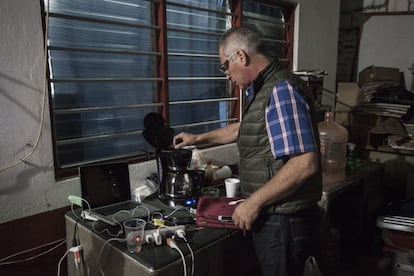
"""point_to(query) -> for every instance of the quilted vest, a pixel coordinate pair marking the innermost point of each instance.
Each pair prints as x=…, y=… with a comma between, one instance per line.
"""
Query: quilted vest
x=257, y=163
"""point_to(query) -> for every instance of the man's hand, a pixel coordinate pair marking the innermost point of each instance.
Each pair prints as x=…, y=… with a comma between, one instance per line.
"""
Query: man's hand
x=184, y=139
x=245, y=214
x=288, y=179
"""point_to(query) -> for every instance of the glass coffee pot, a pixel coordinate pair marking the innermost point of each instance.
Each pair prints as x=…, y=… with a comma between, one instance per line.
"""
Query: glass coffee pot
x=181, y=185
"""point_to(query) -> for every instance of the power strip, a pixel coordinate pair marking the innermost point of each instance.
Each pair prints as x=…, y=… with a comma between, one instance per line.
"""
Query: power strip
x=155, y=235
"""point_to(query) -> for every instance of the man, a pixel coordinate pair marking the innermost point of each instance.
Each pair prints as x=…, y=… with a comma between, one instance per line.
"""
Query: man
x=278, y=147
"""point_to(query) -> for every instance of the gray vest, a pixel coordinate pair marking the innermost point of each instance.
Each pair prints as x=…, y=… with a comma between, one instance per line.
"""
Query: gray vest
x=257, y=163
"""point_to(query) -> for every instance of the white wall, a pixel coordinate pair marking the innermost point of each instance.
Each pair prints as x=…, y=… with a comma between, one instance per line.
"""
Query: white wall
x=388, y=41
x=29, y=187
x=318, y=41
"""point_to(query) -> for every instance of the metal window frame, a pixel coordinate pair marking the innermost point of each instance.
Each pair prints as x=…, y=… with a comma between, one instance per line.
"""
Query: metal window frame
x=159, y=8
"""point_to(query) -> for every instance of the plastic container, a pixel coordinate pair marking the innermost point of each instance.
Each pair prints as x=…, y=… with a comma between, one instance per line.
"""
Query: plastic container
x=333, y=138
x=351, y=157
x=210, y=169
x=198, y=160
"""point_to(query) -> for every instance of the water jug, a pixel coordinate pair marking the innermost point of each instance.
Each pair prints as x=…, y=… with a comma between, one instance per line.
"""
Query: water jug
x=333, y=138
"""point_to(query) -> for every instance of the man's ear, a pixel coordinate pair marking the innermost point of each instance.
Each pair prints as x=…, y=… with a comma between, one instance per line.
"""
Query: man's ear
x=243, y=56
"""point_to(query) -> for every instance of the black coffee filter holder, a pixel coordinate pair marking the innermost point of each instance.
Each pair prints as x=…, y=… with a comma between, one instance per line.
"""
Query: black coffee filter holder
x=156, y=131
x=179, y=159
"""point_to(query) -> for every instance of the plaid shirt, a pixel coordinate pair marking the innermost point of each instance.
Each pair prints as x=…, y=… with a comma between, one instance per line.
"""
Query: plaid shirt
x=288, y=122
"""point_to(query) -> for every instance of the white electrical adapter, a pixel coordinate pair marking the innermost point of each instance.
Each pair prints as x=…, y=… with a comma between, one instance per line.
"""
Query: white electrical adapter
x=157, y=234
x=86, y=215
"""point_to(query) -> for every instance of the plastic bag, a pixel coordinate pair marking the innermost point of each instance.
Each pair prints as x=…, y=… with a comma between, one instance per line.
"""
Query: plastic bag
x=311, y=267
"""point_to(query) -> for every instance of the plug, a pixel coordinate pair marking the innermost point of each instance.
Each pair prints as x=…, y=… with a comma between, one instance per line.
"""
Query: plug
x=171, y=243
x=87, y=216
x=149, y=239
x=180, y=233
x=75, y=200
x=157, y=237
x=76, y=255
x=159, y=222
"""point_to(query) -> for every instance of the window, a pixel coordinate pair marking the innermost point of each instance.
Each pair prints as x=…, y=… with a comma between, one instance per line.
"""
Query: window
x=112, y=62
x=198, y=93
x=274, y=22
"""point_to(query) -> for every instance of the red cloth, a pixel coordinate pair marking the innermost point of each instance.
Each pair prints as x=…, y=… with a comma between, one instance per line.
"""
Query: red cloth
x=398, y=239
x=210, y=208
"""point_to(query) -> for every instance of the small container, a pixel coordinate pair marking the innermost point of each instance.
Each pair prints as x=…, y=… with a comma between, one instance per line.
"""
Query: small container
x=232, y=186
x=351, y=157
x=134, y=234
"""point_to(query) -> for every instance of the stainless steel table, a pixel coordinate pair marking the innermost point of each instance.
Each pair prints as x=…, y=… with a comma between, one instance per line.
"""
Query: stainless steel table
x=216, y=252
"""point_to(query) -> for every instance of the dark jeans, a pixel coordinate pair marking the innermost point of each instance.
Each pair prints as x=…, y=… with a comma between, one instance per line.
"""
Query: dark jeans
x=283, y=242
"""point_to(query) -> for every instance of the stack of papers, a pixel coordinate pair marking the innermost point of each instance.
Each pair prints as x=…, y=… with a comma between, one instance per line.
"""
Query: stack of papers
x=384, y=109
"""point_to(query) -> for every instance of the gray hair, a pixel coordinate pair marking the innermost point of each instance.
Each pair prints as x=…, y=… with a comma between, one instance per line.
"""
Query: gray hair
x=242, y=38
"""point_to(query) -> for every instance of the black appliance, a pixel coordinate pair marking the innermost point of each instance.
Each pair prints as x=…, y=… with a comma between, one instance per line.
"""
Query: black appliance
x=177, y=185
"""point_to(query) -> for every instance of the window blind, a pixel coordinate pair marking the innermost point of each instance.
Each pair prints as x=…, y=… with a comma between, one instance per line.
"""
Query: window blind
x=105, y=75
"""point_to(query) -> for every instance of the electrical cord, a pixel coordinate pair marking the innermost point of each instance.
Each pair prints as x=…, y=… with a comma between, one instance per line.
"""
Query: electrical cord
x=60, y=243
x=42, y=113
x=132, y=214
x=171, y=243
x=106, y=230
x=75, y=242
x=143, y=207
x=83, y=211
x=101, y=251
x=180, y=208
x=191, y=251
x=61, y=260
x=76, y=248
x=181, y=234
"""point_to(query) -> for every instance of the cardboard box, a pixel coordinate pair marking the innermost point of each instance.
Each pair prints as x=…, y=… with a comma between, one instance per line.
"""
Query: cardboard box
x=349, y=96
x=379, y=74
x=360, y=127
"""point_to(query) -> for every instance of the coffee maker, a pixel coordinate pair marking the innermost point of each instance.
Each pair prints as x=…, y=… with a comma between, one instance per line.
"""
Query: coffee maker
x=178, y=185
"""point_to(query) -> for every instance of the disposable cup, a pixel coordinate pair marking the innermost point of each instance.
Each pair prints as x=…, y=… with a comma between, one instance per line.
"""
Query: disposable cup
x=134, y=234
x=232, y=187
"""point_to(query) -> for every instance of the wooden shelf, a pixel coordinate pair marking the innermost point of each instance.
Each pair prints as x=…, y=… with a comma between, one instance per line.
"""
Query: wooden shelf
x=388, y=149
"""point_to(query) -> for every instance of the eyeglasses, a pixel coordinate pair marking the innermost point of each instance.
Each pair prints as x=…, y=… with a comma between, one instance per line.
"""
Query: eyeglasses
x=224, y=67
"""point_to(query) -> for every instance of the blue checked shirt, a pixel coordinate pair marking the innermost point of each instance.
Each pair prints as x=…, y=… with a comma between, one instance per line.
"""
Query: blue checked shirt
x=288, y=121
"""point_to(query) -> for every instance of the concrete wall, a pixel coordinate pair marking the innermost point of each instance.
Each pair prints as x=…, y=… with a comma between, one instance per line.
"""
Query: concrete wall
x=350, y=22
x=388, y=40
x=317, y=41
x=29, y=187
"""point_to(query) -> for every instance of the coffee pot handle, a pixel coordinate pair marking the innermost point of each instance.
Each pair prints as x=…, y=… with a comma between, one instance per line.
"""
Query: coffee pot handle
x=198, y=179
